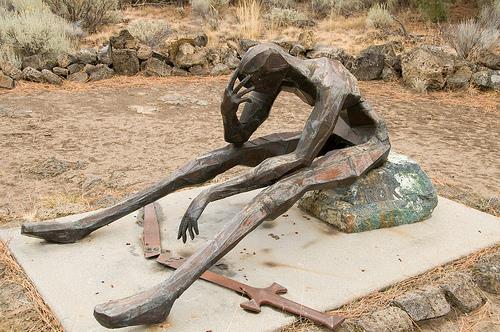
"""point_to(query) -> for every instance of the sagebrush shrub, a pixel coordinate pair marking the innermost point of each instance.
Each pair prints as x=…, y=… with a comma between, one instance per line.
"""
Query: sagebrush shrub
x=150, y=32
x=279, y=3
x=323, y=8
x=490, y=15
x=470, y=37
x=282, y=17
x=208, y=7
x=89, y=14
x=35, y=30
x=379, y=17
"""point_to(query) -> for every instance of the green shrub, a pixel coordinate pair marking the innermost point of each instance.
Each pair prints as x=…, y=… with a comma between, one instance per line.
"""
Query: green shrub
x=150, y=32
x=286, y=4
x=323, y=8
x=434, y=10
x=282, y=17
x=471, y=37
x=34, y=29
x=90, y=14
x=379, y=17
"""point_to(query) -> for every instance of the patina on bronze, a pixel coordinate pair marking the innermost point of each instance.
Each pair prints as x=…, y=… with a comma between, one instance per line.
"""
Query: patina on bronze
x=261, y=296
x=341, y=140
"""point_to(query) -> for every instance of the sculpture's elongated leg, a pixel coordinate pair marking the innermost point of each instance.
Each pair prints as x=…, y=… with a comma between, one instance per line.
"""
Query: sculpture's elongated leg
x=197, y=171
x=153, y=305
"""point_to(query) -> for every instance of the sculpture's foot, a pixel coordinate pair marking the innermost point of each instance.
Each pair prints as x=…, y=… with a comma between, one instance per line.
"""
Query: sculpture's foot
x=148, y=307
x=55, y=231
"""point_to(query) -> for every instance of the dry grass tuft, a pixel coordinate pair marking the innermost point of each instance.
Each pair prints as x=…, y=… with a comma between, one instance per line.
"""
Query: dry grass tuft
x=13, y=273
x=248, y=13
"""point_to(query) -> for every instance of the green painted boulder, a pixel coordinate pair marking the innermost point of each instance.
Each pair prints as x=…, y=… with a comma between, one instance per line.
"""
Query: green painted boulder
x=399, y=192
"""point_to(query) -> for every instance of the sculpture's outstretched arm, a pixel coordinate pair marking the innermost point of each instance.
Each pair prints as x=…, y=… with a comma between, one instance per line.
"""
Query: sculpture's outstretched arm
x=153, y=305
x=318, y=129
x=197, y=171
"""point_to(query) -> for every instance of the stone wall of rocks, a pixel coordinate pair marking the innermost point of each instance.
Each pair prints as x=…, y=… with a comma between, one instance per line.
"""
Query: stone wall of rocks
x=462, y=291
x=422, y=68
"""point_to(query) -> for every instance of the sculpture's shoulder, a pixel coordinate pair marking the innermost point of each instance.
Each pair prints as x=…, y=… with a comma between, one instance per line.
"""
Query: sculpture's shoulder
x=330, y=73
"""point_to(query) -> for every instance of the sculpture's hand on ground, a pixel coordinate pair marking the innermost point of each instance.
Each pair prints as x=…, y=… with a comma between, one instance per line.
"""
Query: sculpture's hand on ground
x=189, y=221
x=53, y=231
x=149, y=307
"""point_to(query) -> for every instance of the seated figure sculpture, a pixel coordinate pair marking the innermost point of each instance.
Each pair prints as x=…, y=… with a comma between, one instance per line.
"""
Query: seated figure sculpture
x=341, y=140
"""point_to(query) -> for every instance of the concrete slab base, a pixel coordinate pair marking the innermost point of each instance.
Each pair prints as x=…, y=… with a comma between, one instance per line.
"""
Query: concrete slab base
x=321, y=267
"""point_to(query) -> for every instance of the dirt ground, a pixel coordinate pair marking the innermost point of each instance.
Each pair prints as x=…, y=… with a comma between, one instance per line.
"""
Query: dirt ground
x=80, y=147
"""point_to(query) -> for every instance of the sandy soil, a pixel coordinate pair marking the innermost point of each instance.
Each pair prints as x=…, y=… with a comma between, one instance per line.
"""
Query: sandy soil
x=78, y=149
x=81, y=147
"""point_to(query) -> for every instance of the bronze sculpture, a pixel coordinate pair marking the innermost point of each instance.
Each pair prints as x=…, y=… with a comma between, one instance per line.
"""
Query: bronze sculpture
x=341, y=140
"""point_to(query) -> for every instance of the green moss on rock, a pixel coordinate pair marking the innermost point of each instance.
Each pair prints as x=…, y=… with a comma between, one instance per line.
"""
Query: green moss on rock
x=399, y=192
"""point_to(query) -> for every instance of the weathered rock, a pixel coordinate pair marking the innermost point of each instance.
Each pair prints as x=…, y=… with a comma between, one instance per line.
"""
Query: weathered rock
x=125, y=61
x=486, y=80
x=331, y=53
x=51, y=78
x=199, y=70
x=428, y=66
x=462, y=292
x=396, y=193
x=12, y=71
x=495, y=80
x=124, y=40
x=486, y=273
x=459, y=79
x=156, y=67
x=173, y=43
x=371, y=62
x=233, y=45
x=144, y=52
x=33, y=61
x=424, y=303
x=65, y=59
x=104, y=55
x=246, y=44
x=88, y=68
x=75, y=68
x=144, y=109
x=391, y=319
x=61, y=71
x=31, y=74
x=6, y=82
x=298, y=50
x=490, y=59
x=231, y=61
x=80, y=77
x=188, y=56
x=101, y=72
x=179, y=72
x=220, y=69
x=389, y=74
x=285, y=44
x=307, y=39
x=87, y=56
x=368, y=65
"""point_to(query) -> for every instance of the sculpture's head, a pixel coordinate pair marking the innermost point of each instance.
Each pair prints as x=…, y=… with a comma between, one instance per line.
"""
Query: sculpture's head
x=267, y=66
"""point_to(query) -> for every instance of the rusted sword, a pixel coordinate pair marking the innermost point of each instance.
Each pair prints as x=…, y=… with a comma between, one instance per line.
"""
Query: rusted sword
x=151, y=232
x=260, y=296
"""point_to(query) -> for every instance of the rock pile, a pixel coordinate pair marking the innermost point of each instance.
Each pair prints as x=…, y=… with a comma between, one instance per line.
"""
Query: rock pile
x=459, y=290
x=423, y=68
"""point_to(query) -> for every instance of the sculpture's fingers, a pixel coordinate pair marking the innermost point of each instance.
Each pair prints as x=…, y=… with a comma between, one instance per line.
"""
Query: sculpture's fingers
x=191, y=233
x=244, y=92
x=241, y=84
x=232, y=80
x=244, y=100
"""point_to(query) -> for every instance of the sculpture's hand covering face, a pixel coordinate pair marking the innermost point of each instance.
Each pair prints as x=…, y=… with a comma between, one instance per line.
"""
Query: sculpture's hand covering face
x=266, y=67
